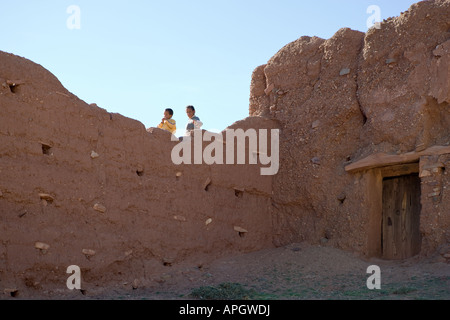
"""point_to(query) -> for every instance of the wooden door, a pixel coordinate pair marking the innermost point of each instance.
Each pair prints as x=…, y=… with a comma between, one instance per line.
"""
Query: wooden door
x=401, y=217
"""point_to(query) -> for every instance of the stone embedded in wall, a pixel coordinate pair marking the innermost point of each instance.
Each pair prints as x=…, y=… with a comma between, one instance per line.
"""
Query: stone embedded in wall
x=344, y=72
x=42, y=246
x=180, y=218
x=240, y=230
x=88, y=252
x=94, y=155
x=46, y=197
x=100, y=208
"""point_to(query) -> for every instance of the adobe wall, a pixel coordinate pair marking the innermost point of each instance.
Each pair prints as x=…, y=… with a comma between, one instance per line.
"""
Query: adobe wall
x=343, y=99
x=81, y=186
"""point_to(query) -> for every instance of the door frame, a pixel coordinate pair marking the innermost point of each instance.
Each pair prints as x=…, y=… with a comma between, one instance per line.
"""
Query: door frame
x=374, y=184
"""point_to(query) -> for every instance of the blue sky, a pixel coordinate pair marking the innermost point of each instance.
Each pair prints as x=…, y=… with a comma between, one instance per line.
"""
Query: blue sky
x=138, y=57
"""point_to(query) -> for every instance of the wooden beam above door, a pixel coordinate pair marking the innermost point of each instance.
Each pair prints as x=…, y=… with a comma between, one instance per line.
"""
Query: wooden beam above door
x=383, y=159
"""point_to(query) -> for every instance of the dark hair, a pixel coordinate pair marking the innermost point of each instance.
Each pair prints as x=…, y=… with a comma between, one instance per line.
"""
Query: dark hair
x=170, y=111
x=191, y=107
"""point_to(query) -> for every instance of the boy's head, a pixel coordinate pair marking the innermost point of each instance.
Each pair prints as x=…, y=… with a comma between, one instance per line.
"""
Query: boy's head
x=168, y=113
x=190, y=111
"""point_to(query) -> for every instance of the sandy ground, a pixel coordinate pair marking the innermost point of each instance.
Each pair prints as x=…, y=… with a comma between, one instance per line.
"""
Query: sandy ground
x=294, y=272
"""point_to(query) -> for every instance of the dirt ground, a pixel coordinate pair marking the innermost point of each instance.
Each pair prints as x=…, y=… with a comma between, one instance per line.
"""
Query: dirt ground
x=294, y=272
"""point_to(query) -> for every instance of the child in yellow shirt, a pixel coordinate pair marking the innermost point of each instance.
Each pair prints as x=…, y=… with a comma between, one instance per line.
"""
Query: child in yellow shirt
x=167, y=123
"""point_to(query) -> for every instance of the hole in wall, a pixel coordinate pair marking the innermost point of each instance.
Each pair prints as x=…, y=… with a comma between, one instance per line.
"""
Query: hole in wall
x=13, y=88
x=140, y=173
x=46, y=149
x=238, y=193
x=14, y=293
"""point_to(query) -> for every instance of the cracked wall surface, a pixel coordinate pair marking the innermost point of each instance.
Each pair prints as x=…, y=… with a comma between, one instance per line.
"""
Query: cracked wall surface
x=342, y=99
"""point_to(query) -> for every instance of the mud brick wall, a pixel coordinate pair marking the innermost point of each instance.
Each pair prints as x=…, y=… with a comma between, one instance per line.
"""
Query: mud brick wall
x=343, y=99
x=82, y=186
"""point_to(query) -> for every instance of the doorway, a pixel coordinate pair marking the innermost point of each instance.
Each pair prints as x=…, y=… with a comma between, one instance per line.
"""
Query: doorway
x=400, y=227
